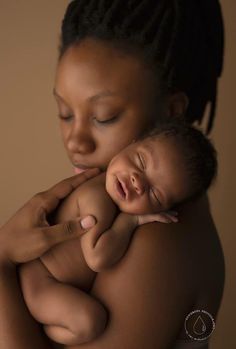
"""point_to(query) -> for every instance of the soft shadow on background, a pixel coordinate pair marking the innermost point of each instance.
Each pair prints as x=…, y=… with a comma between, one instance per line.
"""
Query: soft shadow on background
x=32, y=157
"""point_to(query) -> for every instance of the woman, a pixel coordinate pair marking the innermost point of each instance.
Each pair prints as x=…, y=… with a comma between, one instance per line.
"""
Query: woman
x=122, y=66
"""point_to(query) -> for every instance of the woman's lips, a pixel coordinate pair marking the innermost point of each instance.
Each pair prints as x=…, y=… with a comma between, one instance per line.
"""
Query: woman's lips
x=78, y=170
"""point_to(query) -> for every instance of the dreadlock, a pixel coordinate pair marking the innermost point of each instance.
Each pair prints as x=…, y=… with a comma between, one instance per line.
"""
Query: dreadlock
x=184, y=36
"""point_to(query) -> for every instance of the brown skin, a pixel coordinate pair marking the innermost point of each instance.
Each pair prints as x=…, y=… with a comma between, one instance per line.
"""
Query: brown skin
x=79, y=76
x=152, y=181
x=167, y=271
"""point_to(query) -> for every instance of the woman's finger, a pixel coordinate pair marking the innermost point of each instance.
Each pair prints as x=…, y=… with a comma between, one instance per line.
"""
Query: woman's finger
x=55, y=234
x=33, y=244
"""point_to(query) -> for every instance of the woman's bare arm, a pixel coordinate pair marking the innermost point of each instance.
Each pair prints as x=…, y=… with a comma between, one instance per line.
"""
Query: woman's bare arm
x=26, y=236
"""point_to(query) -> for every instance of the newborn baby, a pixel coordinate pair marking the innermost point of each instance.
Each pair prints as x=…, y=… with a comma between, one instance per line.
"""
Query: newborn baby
x=166, y=167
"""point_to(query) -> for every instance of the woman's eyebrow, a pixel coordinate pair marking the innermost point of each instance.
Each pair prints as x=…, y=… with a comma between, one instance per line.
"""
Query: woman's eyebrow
x=57, y=95
x=94, y=98
x=102, y=94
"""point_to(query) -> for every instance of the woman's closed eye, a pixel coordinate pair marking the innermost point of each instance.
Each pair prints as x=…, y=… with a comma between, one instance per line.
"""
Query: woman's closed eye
x=65, y=118
x=69, y=117
x=108, y=120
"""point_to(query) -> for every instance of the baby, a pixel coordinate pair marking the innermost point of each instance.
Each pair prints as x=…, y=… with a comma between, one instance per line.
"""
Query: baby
x=168, y=166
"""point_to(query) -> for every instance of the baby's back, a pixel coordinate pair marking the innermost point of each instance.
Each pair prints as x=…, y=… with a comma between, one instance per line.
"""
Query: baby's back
x=65, y=261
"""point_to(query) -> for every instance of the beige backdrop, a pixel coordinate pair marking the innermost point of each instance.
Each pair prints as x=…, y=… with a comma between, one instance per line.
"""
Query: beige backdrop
x=32, y=157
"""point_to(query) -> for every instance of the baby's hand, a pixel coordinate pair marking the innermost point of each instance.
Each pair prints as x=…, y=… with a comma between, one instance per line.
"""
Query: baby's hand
x=163, y=217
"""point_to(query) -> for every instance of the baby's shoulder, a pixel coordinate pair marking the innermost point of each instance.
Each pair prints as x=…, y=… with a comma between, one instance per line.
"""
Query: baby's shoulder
x=81, y=197
x=94, y=187
x=92, y=195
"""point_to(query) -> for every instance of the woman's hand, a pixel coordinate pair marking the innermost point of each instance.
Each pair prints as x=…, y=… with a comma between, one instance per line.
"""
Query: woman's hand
x=28, y=234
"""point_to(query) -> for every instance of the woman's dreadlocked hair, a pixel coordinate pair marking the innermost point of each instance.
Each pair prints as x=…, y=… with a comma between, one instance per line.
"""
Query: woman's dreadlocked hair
x=185, y=37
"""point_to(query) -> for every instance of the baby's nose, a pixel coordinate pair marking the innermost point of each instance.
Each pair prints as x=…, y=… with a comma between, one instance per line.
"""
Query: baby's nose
x=138, y=183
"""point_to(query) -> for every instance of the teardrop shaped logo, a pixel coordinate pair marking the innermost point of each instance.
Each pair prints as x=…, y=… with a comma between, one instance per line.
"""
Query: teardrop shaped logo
x=199, y=325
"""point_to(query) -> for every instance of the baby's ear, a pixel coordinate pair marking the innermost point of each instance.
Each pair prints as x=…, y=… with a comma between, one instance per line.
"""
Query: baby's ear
x=177, y=104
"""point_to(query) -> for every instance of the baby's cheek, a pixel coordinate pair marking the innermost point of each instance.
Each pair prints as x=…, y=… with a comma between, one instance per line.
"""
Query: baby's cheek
x=137, y=206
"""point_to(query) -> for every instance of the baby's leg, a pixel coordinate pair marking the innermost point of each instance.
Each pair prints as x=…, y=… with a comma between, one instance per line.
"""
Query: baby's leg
x=70, y=316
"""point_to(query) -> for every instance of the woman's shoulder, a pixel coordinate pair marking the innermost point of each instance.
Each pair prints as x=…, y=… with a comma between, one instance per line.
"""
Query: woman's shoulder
x=184, y=242
x=177, y=265
x=193, y=249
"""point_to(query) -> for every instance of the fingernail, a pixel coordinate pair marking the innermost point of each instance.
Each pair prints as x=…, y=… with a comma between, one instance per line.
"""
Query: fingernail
x=87, y=222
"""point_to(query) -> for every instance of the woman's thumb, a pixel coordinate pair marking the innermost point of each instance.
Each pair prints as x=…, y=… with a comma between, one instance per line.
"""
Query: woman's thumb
x=67, y=230
x=87, y=222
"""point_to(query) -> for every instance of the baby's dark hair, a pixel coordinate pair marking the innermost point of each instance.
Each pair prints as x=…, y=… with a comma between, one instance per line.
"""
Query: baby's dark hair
x=185, y=37
x=199, y=154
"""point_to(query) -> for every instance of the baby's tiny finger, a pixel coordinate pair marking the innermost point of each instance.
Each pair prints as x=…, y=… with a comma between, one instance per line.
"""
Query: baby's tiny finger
x=175, y=219
x=171, y=217
x=164, y=219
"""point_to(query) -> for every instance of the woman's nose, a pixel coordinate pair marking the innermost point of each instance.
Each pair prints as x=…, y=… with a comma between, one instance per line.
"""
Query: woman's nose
x=139, y=183
x=81, y=141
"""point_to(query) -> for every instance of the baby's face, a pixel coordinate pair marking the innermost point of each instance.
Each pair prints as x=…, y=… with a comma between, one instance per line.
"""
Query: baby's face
x=148, y=176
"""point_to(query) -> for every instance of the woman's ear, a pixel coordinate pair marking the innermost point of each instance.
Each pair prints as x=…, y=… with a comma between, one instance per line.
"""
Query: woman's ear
x=177, y=104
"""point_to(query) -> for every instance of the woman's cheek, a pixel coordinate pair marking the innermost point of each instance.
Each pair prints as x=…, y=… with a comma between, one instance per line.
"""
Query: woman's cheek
x=111, y=145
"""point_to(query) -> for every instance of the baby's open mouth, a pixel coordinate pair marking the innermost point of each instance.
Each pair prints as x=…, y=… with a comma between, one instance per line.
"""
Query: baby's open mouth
x=121, y=189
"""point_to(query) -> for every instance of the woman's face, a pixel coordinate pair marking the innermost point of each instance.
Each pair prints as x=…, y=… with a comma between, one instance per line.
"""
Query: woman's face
x=105, y=100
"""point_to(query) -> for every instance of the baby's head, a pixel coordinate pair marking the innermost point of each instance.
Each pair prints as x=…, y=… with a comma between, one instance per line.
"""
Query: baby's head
x=169, y=165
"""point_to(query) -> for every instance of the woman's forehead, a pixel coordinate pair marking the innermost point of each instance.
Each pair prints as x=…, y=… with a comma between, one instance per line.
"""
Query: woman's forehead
x=93, y=66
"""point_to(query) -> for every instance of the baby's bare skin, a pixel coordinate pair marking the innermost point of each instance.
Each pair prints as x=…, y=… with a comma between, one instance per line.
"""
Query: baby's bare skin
x=66, y=261
x=54, y=285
